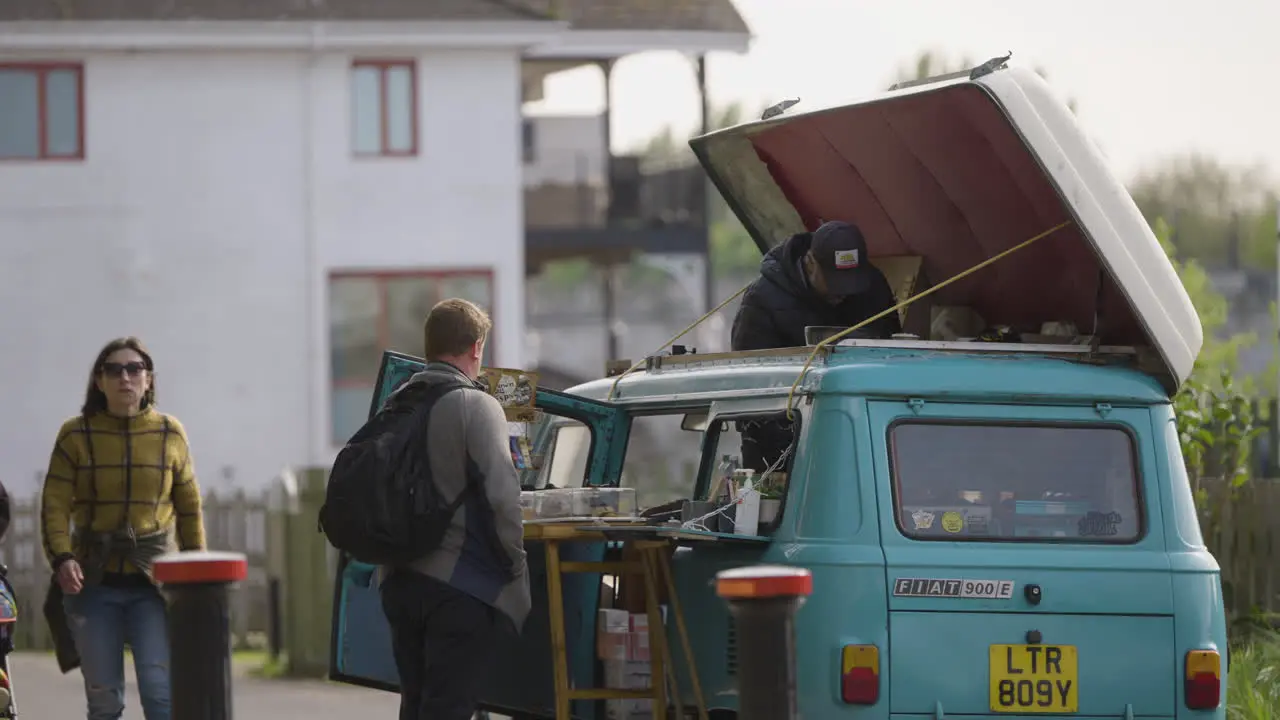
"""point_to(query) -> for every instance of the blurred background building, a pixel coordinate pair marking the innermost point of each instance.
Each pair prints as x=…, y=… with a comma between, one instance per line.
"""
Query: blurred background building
x=272, y=193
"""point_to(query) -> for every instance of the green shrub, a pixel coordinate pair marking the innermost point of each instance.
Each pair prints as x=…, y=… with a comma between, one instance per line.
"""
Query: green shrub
x=1253, y=680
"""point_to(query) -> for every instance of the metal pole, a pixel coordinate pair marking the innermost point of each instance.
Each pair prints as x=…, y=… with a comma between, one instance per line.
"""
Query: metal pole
x=198, y=585
x=275, y=637
x=763, y=600
x=709, y=193
x=607, y=277
x=609, y=299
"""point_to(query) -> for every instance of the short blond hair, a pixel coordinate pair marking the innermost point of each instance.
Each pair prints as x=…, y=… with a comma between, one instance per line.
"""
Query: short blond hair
x=453, y=327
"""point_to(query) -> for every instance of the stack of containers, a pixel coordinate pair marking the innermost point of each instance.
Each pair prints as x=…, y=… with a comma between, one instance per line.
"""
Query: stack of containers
x=622, y=643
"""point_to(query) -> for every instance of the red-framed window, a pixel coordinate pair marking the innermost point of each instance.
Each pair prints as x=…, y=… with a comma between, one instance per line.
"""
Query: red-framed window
x=41, y=111
x=374, y=311
x=384, y=107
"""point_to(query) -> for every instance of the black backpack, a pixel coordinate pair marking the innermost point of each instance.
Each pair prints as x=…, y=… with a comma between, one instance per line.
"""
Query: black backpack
x=381, y=505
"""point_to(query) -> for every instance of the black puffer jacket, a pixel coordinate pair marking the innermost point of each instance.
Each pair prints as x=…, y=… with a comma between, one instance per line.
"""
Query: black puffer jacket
x=779, y=304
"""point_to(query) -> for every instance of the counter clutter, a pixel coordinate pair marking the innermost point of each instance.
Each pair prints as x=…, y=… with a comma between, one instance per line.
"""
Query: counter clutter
x=568, y=504
x=739, y=502
x=742, y=504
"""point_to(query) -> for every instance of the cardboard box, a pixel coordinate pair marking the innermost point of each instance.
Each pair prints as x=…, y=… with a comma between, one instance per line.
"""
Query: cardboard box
x=612, y=645
x=638, y=647
x=903, y=273
x=639, y=621
x=612, y=632
x=614, y=620
x=627, y=675
x=628, y=709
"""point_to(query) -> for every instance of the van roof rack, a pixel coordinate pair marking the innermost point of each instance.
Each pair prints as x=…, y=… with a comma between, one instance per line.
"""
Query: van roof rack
x=994, y=347
x=740, y=358
x=796, y=356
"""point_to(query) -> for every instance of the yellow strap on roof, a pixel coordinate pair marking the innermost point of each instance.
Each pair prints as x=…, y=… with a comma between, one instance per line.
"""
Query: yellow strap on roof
x=834, y=338
x=677, y=336
x=837, y=337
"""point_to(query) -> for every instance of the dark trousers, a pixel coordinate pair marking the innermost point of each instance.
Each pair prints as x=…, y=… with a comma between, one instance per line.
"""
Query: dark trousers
x=443, y=640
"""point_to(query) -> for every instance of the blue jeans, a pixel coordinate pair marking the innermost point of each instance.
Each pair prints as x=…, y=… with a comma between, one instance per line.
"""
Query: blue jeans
x=103, y=620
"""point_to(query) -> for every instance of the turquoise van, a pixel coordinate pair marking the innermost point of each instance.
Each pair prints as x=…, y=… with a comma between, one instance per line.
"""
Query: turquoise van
x=999, y=525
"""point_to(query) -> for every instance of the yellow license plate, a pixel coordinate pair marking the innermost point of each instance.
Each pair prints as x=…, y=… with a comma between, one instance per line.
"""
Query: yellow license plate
x=1034, y=679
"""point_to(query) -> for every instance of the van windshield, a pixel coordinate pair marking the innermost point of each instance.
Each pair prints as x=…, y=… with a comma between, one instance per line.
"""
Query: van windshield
x=562, y=449
x=1014, y=482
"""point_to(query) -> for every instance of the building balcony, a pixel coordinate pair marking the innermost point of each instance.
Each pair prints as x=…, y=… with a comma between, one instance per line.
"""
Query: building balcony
x=569, y=190
x=581, y=203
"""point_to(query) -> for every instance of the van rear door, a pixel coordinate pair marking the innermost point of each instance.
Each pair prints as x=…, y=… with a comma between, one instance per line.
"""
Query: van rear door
x=1025, y=561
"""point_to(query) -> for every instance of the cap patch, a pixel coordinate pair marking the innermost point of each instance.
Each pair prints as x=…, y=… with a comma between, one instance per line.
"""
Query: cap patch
x=846, y=259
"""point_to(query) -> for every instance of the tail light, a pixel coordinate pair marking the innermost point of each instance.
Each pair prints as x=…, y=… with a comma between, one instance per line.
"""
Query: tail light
x=860, y=674
x=1204, y=679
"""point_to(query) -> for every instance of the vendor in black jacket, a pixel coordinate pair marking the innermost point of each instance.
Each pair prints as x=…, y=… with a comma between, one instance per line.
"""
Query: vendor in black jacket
x=818, y=278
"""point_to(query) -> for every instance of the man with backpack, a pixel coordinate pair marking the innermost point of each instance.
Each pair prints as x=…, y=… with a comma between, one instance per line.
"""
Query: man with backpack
x=427, y=490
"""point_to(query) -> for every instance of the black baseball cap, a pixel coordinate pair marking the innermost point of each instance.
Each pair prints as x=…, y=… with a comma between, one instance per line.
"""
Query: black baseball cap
x=840, y=251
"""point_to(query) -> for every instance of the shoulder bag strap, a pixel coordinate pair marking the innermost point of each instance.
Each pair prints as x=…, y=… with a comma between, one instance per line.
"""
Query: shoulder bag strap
x=86, y=532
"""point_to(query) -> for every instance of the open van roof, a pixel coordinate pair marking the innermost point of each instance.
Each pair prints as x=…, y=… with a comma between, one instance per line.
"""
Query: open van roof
x=954, y=173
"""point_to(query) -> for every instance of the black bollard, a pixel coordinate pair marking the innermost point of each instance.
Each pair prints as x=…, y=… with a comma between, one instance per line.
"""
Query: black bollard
x=764, y=600
x=198, y=585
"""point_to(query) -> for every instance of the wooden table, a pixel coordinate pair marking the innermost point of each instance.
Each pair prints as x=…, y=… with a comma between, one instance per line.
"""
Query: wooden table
x=656, y=571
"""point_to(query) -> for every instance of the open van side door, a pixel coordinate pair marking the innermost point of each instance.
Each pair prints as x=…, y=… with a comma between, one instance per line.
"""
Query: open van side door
x=360, y=639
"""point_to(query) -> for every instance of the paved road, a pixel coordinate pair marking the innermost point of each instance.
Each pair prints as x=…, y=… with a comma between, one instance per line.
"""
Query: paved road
x=43, y=693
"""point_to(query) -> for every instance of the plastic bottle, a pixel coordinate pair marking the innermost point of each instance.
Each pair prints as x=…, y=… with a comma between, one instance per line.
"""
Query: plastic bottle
x=746, y=517
x=728, y=466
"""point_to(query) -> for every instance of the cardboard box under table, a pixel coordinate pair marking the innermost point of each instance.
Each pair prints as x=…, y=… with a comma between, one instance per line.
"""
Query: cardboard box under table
x=647, y=552
x=652, y=549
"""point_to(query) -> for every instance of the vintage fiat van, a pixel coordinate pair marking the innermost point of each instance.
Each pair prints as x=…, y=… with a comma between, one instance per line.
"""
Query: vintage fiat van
x=995, y=529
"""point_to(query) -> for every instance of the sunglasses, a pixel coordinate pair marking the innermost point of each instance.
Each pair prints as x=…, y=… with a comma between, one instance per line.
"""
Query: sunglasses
x=115, y=370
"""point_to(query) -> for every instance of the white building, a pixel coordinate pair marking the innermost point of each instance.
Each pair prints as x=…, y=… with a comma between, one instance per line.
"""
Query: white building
x=268, y=197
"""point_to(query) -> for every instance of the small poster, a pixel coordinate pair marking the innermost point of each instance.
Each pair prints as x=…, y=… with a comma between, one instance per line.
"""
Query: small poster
x=512, y=388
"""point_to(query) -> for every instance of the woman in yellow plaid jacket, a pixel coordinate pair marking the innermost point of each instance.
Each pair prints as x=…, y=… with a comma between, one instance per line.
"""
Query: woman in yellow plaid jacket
x=120, y=491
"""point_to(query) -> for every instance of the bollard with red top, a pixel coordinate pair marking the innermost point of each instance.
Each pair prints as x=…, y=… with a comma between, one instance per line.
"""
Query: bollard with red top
x=199, y=584
x=763, y=600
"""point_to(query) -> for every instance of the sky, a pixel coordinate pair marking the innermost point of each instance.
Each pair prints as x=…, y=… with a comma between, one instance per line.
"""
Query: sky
x=1152, y=78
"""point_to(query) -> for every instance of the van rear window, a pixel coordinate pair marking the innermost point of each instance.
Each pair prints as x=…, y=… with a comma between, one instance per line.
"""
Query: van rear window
x=1014, y=482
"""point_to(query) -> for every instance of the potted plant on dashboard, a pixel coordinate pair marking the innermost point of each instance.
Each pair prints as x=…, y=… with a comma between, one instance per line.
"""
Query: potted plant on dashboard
x=771, y=492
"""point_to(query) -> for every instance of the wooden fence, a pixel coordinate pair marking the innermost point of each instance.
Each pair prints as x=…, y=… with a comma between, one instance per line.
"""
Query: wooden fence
x=1241, y=534
x=234, y=521
x=276, y=530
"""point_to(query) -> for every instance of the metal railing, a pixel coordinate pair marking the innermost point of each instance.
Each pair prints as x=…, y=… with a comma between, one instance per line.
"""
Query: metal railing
x=578, y=189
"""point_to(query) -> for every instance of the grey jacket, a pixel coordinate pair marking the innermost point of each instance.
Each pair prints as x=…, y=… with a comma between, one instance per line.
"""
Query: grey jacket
x=470, y=426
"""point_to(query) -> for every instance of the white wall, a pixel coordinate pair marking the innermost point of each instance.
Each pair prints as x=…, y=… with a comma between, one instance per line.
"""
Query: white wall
x=202, y=222
x=567, y=150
